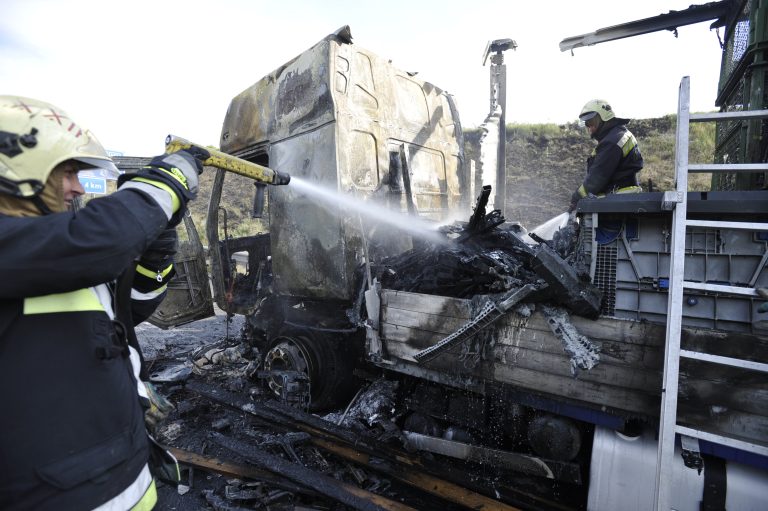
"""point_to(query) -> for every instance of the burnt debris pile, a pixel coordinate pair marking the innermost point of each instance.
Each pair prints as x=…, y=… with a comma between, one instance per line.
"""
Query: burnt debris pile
x=485, y=256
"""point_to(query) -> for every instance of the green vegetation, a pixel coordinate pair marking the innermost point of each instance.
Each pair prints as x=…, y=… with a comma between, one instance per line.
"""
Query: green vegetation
x=546, y=162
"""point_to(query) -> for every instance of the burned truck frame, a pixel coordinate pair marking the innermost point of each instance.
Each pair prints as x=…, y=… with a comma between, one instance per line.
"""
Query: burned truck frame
x=561, y=400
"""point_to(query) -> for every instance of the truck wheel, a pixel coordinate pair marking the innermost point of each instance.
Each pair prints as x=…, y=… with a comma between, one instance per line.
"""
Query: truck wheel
x=324, y=361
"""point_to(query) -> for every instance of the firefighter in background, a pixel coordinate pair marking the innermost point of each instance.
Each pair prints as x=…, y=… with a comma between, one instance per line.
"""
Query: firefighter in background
x=73, y=432
x=615, y=161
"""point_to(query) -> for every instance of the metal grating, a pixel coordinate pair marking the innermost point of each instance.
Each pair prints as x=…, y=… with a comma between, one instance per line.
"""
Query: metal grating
x=731, y=145
x=735, y=46
x=729, y=140
x=605, y=276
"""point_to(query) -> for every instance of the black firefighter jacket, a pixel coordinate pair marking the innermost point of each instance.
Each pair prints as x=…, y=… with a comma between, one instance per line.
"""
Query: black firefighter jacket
x=72, y=431
x=615, y=161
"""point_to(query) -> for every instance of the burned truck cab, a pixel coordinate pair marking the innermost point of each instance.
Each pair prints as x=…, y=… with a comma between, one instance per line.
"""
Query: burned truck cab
x=345, y=124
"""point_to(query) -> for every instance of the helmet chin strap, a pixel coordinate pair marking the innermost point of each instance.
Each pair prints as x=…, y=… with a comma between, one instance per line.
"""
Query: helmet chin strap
x=41, y=205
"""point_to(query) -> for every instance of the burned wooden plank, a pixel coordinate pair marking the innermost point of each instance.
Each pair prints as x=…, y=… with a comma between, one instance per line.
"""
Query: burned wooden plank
x=429, y=304
x=488, y=315
x=358, y=448
x=620, y=341
x=419, y=479
x=747, y=427
x=347, y=494
x=726, y=344
x=516, y=335
x=720, y=387
x=231, y=469
x=423, y=321
x=595, y=395
x=560, y=365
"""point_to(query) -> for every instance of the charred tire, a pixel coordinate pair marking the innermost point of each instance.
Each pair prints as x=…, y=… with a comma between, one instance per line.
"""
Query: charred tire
x=325, y=360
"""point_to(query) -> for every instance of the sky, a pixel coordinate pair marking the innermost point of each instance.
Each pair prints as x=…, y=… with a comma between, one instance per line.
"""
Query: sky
x=134, y=72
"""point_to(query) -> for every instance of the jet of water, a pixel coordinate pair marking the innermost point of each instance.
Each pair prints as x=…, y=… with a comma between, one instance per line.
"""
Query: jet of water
x=414, y=225
x=548, y=229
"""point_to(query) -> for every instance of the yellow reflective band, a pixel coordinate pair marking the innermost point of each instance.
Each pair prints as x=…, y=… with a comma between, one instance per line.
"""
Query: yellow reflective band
x=627, y=143
x=629, y=189
x=175, y=203
x=582, y=191
x=74, y=301
x=148, y=500
x=153, y=274
x=149, y=295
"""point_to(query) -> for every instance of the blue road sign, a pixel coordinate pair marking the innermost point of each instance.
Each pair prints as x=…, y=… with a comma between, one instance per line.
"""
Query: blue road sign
x=94, y=185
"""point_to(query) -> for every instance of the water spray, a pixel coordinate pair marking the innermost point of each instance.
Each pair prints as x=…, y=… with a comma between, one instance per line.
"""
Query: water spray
x=413, y=225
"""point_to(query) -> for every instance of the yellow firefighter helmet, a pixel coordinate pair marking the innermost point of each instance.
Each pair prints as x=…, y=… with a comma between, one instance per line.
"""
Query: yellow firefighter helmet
x=597, y=107
x=35, y=137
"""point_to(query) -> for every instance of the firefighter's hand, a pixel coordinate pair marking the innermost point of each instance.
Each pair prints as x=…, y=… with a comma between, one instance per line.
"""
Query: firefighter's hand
x=180, y=169
x=174, y=174
x=159, y=407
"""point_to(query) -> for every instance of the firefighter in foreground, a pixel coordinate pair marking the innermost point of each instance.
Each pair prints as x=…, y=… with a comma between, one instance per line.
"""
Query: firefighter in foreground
x=73, y=431
x=615, y=161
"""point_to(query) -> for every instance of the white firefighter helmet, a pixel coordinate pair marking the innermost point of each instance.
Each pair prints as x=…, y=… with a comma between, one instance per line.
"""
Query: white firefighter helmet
x=35, y=137
x=597, y=107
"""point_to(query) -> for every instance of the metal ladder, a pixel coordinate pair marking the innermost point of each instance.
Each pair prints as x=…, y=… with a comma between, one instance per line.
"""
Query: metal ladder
x=668, y=426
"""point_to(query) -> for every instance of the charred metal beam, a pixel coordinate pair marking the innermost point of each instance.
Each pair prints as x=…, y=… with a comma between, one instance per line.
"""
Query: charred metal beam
x=669, y=21
x=498, y=94
x=532, y=465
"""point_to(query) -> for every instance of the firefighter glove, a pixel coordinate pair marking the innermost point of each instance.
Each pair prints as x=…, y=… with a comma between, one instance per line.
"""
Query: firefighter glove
x=176, y=173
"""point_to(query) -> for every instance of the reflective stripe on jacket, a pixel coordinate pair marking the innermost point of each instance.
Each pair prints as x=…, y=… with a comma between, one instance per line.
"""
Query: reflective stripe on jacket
x=615, y=161
x=72, y=433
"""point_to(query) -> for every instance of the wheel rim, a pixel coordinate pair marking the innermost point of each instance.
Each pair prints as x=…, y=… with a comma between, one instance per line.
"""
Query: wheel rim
x=288, y=355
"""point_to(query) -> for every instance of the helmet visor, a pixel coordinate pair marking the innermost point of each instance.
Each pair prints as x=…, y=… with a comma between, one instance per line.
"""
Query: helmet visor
x=108, y=166
x=587, y=116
